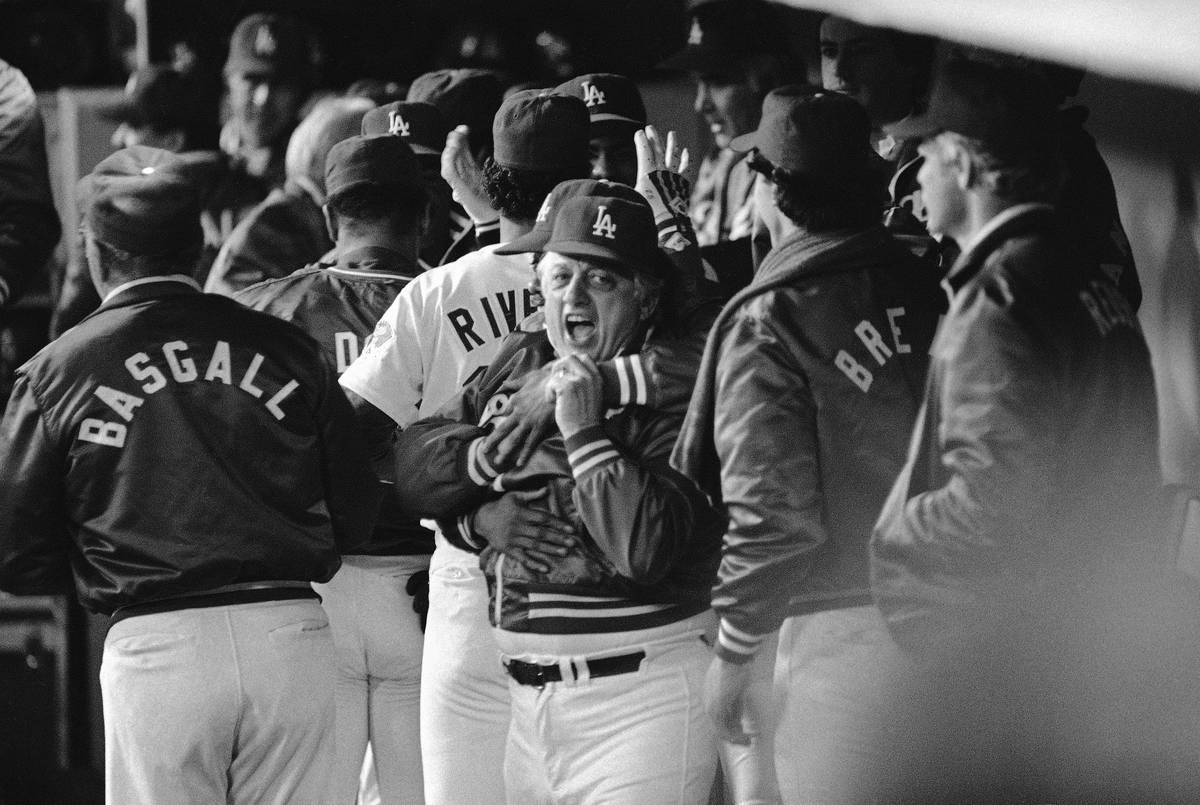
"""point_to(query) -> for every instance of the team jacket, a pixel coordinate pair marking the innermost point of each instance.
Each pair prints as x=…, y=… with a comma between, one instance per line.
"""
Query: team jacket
x=649, y=540
x=1035, y=454
x=175, y=442
x=285, y=231
x=806, y=395
x=339, y=305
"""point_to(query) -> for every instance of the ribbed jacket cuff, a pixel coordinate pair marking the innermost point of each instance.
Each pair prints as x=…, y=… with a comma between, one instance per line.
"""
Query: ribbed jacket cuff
x=482, y=227
x=631, y=380
x=479, y=469
x=736, y=646
x=588, y=449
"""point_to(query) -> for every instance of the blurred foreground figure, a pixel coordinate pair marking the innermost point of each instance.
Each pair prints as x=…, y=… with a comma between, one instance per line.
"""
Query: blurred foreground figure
x=1019, y=558
x=190, y=467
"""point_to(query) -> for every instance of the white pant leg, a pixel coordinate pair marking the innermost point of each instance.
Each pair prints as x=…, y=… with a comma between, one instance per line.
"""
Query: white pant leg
x=640, y=738
x=464, y=691
x=833, y=675
x=379, y=648
x=169, y=688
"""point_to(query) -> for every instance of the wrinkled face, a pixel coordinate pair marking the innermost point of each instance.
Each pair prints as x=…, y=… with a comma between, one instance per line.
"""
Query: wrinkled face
x=264, y=107
x=589, y=309
x=942, y=186
x=614, y=158
x=729, y=106
x=861, y=62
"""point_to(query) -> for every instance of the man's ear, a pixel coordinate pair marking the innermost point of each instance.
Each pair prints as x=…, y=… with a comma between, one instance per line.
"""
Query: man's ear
x=331, y=225
x=965, y=174
x=649, y=302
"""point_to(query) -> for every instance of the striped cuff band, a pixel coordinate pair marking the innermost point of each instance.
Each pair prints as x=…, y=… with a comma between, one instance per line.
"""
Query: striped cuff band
x=479, y=469
x=588, y=449
x=464, y=531
x=486, y=226
x=734, y=645
x=631, y=380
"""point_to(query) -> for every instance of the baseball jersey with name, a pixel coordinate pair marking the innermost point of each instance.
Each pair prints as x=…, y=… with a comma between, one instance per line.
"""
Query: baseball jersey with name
x=441, y=332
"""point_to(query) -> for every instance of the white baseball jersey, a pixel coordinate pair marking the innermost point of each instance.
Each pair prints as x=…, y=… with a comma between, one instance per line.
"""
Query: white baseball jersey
x=442, y=330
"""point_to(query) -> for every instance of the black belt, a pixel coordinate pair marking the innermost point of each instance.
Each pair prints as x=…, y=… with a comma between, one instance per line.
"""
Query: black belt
x=534, y=675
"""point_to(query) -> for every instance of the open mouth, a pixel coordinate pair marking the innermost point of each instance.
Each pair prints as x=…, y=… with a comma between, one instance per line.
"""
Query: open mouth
x=579, y=327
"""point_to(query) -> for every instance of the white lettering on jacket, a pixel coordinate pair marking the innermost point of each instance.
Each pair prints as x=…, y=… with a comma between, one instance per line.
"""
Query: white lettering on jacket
x=870, y=337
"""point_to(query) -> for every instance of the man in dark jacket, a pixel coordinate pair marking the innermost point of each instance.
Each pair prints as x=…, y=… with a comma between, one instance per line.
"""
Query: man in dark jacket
x=191, y=466
x=375, y=211
x=807, y=392
x=1019, y=553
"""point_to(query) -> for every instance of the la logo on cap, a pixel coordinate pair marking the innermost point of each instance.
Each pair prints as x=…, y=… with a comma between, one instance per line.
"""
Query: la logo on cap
x=604, y=226
x=592, y=94
x=696, y=35
x=397, y=124
x=544, y=213
x=264, y=41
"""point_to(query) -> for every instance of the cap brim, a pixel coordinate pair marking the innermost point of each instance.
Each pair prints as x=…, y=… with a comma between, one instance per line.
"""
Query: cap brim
x=744, y=142
x=918, y=126
x=579, y=248
x=528, y=243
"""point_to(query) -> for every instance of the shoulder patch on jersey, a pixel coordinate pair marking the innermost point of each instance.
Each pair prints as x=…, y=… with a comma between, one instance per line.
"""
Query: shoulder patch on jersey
x=380, y=337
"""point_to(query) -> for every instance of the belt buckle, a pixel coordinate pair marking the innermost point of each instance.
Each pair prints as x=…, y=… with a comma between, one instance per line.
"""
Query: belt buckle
x=539, y=676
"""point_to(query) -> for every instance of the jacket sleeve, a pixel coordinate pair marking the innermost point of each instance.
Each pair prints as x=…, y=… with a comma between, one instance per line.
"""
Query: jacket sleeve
x=29, y=225
x=642, y=514
x=945, y=547
x=34, y=540
x=765, y=436
x=352, y=490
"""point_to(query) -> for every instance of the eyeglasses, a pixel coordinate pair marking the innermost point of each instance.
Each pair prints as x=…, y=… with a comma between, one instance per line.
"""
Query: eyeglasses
x=759, y=163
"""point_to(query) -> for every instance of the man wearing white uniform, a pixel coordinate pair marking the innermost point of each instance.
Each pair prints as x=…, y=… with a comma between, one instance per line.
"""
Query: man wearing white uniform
x=443, y=330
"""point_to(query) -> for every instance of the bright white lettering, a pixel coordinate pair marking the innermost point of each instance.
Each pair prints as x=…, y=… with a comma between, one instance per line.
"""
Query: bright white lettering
x=97, y=431
x=150, y=373
x=247, y=384
x=873, y=341
x=124, y=404
x=894, y=313
x=280, y=396
x=219, y=367
x=854, y=370
x=182, y=369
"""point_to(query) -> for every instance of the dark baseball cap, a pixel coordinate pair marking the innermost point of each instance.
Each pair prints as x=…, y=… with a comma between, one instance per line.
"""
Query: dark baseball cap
x=382, y=160
x=418, y=123
x=273, y=45
x=611, y=230
x=720, y=34
x=464, y=96
x=155, y=95
x=810, y=131
x=141, y=200
x=610, y=98
x=537, y=130
x=543, y=225
x=1010, y=109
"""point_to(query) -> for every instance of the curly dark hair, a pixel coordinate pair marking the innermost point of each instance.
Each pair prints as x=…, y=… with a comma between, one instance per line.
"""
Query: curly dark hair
x=518, y=194
x=820, y=205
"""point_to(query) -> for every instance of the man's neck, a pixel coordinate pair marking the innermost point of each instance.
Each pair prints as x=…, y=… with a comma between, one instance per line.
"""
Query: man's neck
x=405, y=245
x=510, y=229
x=981, y=208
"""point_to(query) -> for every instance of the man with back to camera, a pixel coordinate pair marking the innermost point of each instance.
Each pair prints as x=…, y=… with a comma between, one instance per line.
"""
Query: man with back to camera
x=443, y=330
x=192, y=466
x=1024, y=532
x=807, y=392
x=375, y=212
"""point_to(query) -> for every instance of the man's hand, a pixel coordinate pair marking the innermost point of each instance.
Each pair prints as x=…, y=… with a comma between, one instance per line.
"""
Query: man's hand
x=728, y=702
x=465, y=177
x=417, y=586
x=524, y=421
x=660, y=176
x=521, y=526
x=577, y=389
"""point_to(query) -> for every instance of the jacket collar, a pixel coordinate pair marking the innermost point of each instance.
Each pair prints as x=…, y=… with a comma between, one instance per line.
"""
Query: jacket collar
x=1015, y=219
x=139, y=290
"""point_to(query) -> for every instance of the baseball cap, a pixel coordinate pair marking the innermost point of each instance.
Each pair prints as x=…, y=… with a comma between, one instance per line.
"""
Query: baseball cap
x=720, y=34
x=275, y=45
x=538, y=130
x=140, y=200
x=612, y=230
x=535, y=240
x=807, y=130
x=381, y=160
x=610, y=98
x=155, y=95
x=1010, y=109
x=467, y=96
x=418, y=123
